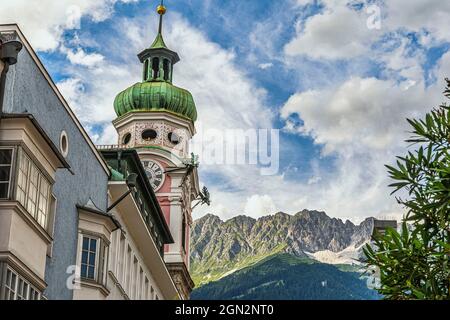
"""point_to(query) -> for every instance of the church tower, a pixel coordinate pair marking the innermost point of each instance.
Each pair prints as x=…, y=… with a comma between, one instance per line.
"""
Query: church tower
x=157, y=119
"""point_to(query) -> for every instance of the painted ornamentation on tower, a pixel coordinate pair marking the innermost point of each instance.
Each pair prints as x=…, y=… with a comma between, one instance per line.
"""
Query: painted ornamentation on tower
x=156, y=118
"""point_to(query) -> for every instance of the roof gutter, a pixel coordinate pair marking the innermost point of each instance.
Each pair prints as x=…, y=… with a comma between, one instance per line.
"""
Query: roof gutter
x=9, y=50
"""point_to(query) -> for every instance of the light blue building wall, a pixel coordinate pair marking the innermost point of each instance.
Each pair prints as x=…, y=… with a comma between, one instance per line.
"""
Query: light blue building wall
x=28, y=91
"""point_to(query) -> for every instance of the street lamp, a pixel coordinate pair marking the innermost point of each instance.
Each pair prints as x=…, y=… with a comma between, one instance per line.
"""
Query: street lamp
x=131, y=183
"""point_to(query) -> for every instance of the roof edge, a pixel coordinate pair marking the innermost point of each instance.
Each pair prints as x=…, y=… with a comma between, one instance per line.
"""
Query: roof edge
x=101, y=213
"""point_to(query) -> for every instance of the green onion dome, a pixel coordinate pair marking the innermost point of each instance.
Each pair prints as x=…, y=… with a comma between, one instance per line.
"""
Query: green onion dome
x=156, y=96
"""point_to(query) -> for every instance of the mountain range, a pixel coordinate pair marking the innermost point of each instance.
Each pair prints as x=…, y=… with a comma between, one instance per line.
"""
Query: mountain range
x=220, y=248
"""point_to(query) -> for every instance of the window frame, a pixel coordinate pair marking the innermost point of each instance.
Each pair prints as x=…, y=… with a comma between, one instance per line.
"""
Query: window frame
x=10, y=181
x=101, y=259
x=33, y=168
x=25, y=291
x=88, y=263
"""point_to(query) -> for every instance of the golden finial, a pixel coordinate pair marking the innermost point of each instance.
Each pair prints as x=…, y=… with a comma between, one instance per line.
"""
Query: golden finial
x=161, y=9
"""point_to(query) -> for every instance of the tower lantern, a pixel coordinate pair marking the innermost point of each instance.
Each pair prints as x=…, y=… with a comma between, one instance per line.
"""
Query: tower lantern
x=158, y=60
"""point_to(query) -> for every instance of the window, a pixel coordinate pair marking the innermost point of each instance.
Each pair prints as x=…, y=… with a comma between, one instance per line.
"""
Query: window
x=146, y=70
x=22, y=290
x=33, y=184
x=44, y=194
x=155, y=68
x=88, y=257
x=94, y=255
x=126, y=138
x=34, y=294
x=24, y=167
x=166, y=69
x=17, y=288
x=5, y=172
x=149, y=134
x=173, y=137
x=10, y=285
x=33, y=190
x=64, y=144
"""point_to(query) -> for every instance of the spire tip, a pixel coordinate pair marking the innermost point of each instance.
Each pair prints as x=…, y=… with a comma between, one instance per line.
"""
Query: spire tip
x=161, y=9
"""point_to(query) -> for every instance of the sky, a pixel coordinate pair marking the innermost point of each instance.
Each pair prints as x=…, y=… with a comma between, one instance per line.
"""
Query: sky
x=337, y=78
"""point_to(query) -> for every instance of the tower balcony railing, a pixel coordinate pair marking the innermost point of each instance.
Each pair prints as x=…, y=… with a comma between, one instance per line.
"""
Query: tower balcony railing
x=111, y=146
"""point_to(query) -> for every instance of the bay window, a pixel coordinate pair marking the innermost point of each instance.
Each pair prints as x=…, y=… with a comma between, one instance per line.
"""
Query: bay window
x=32, y=189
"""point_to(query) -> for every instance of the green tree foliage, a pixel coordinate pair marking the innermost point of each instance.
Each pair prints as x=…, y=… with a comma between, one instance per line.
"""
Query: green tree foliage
x=414, y=263
x=286, y=277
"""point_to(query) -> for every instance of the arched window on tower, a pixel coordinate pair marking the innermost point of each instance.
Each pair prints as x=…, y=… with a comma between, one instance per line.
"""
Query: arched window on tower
x=146, y=70
x=155, y=68
x=166, y=67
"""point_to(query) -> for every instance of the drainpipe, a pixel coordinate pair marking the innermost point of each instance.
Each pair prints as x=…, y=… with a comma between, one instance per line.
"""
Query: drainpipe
x=8, y=54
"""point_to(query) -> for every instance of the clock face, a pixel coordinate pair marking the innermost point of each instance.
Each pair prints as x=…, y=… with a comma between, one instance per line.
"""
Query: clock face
x=155, y=174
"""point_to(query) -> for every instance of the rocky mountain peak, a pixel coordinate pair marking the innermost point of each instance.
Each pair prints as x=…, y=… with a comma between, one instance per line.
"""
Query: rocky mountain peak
x=217, y=245
x=209, y=218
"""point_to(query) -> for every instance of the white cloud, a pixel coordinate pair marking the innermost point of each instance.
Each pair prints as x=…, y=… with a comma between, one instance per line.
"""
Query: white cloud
x=356, y=115
x=71, y=88
x=94, y=104
x=417, y=15
x=314, y=180
x=106, y=137
x=44, y=21
x=265, y=66
x=361, y=122
x=340, y=32
x=304, y=2
x=258, y=206
x=337, y=33
x=80, y=57
x=224, y=95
